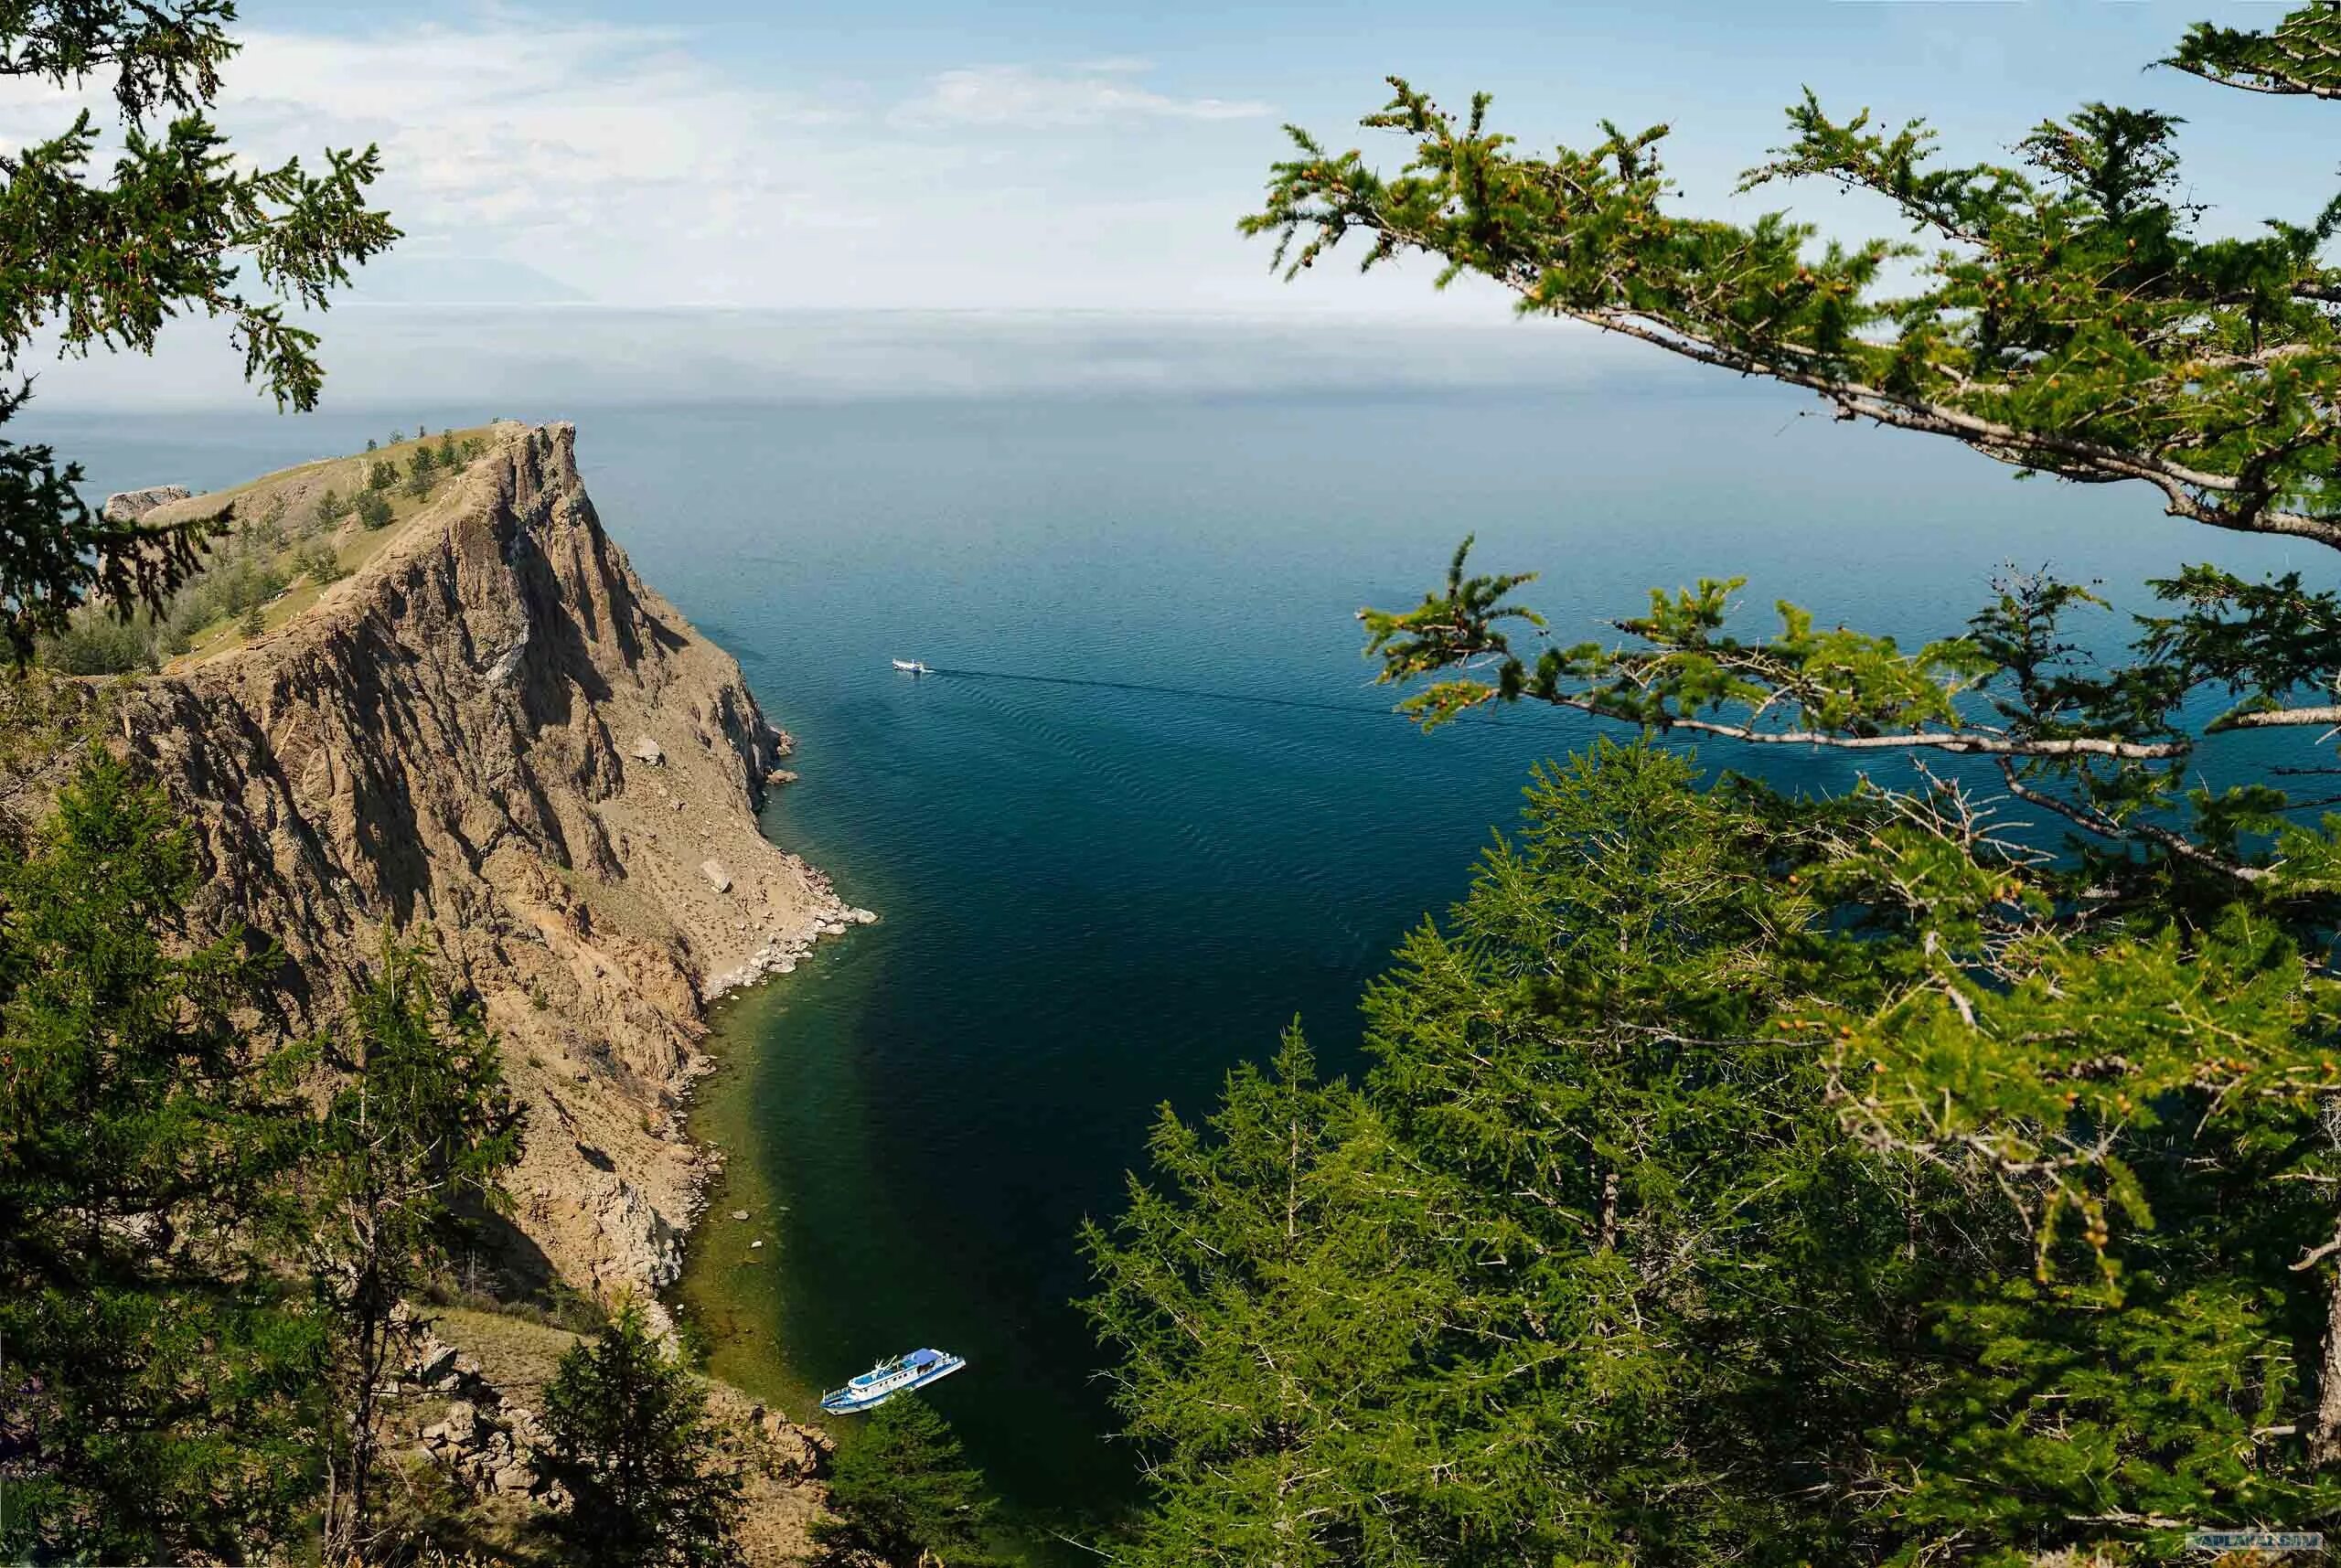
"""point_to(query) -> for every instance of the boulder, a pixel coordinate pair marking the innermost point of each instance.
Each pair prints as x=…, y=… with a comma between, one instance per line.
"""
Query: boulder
x=646, y=750
x=794, y=1453
x=129, y=506
x=434, y=1363
x=718, y=877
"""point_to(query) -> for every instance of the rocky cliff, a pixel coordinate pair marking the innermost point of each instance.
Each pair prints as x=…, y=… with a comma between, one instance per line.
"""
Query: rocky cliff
x=494, y=736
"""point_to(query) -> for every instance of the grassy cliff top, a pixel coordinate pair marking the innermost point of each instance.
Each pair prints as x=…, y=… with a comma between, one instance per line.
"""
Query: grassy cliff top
x=292, y=535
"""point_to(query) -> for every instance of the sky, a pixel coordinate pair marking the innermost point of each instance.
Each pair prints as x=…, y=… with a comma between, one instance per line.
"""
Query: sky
x=912, y=155
x=904, y=153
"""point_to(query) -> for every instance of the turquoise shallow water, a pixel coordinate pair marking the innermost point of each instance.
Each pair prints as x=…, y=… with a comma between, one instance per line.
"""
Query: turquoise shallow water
x=1097, y=898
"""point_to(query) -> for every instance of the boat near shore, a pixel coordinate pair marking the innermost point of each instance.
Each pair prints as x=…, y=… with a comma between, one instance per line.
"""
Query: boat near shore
x=887, y=1378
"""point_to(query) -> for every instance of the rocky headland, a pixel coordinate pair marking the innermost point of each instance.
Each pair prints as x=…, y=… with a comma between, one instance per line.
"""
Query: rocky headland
x=493, y=738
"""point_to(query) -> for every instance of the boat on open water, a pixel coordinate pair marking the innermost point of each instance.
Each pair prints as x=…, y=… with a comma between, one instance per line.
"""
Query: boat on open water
x=913, y=666
x=887, y=1378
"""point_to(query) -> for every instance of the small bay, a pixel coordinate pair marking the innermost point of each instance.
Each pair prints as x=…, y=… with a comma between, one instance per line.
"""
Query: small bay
x=1098, y=898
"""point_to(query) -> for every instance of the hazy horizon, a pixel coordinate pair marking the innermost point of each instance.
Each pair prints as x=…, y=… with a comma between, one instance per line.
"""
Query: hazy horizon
x=417, y=356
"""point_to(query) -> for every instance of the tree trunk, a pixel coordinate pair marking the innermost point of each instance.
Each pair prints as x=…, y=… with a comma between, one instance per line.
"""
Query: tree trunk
x=2325, y=1434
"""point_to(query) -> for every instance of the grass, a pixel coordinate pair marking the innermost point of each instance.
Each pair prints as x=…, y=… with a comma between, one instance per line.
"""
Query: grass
x=353, y=545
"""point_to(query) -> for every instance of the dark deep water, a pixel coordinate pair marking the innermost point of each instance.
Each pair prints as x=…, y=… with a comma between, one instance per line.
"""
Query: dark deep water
x=1097, y=898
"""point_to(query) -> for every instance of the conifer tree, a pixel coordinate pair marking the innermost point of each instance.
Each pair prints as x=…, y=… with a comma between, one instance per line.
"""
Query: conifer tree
x=631, y=1446
x=411, y=1152
x=182, y=226
x=904, y=1493
x=2120, y=1057
x=157, y=1387
x=1584, y=1269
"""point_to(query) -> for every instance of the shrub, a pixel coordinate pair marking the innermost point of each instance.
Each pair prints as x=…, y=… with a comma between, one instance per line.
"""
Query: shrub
x=374, y=510
x=904, y=1493
x=631, y=1443
x=96, y=643
x=319, y=563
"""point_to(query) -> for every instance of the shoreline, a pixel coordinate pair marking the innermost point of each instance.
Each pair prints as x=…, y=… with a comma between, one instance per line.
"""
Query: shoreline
x=731, y=1285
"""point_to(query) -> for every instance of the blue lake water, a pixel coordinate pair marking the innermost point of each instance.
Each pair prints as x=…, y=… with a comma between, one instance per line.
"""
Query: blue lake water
x=1096, y=899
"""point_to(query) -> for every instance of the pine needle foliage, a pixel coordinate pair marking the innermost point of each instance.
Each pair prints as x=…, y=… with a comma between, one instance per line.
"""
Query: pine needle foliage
x=409, y=1155
x=903, y=1491
x=1619, y=1253
x=1842, y=1179
x=179, y=225
x=632, y=1445
x=158, y=1385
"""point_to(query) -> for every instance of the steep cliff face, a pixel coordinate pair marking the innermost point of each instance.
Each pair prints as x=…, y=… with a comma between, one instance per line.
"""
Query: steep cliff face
x=495, y=735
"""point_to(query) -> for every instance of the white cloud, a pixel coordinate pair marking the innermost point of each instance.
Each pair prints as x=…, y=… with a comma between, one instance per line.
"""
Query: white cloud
x=1022, y=97
x=639, y=166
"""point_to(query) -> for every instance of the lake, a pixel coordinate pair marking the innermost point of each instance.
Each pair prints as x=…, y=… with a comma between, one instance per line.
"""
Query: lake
x=1152, y=811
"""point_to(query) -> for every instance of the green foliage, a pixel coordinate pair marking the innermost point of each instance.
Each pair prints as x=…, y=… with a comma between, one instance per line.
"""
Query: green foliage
x=418, y=477
x=1736, y=1180
x=181, y=224
x=2067, y=320
x=159, y=1387
x=2044, y=1146
x=251, y=622
x=331, y=507
x=2300, y=55
x=903, y=1491
x=380, y=475
x=266, y=530
x=410, y=1155
x=319, y=562
x=373, y=510
x=97, y=644
x=631, y=1444
x=1453, y=1315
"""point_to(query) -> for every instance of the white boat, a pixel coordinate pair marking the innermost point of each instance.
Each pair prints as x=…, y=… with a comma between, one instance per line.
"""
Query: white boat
x=913, y=666
x=887, y=1378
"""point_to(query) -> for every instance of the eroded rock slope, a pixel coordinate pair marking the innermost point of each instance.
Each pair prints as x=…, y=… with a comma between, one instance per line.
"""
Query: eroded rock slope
x=495, y=735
